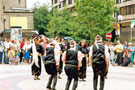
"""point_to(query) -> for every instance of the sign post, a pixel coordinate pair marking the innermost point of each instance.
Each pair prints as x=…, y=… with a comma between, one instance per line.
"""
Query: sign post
x=109, y=36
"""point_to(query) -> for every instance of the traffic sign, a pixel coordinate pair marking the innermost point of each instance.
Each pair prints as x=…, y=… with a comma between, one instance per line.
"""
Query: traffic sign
x=108, y=35
x=132, y=23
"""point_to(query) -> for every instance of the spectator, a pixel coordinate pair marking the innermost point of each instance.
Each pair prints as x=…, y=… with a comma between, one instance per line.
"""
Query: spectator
x=125, y=45
x=119, y=48
x=11, y=55
x=1, y=51
x=17, y=57
x=27, y=47
x=6, y=48
x=126, y=58
x=112, y=54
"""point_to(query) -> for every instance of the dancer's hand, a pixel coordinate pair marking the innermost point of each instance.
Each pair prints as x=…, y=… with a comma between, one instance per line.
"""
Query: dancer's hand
x=39, y=54
x=107, y=68
x=57, y=67
x=43, y=62
x=78, y=68
x=90, y=64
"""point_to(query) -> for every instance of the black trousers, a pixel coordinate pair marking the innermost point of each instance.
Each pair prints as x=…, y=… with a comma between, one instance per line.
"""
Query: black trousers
x=99, y=70
x=52, y=79
x=119, y=58
x=69, y=80
x=72, y=73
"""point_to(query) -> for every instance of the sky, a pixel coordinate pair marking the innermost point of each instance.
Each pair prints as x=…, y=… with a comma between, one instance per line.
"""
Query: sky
x=30, y=3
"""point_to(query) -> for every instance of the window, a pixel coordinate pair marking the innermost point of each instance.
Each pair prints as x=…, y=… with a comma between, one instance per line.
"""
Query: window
x=55, y=1
x=60, y=5
x=118, y=1
x=126, y=0
x=3, y=8
x=52, y=2
x=64, y=3
x=132, y=9
x=69, y=2
x=19, y=2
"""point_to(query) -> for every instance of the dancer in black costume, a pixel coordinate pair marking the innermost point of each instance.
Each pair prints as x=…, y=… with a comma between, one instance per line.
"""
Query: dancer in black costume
x=99, y=58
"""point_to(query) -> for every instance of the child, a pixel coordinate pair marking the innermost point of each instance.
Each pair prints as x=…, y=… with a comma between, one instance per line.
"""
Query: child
x=127, y=58
x=11, y=55
x=17, y=57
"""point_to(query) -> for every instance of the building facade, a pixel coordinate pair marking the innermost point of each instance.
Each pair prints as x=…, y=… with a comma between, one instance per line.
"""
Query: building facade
x=61, y=4
x=127, y=11
x=15, y=13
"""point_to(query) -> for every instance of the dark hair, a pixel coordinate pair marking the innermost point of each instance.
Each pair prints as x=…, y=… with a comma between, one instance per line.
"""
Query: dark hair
x=81, y=44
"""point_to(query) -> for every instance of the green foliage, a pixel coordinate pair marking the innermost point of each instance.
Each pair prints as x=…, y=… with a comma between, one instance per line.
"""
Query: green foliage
x=60, y=24
x=95, y=17
x=41, y=18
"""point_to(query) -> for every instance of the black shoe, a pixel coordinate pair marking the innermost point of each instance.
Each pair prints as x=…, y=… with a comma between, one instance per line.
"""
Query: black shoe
x=49, y=88
x=35, y=79
x=38, y=78
x=53, y=89
x=106, y=77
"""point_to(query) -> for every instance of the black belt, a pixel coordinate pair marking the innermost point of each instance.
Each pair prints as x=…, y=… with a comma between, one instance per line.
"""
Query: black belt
x=49, y=61
x=71, y=65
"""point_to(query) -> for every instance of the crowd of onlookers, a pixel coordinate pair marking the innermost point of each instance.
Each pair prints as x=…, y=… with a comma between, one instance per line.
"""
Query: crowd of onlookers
x=16, y=52
x=121, y=53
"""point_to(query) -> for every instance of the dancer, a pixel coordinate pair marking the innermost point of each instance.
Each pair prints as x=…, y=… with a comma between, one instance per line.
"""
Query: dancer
x=83, y=68
x=99, y=58
x=52, y=60
x=72, y=60
x=36, y=52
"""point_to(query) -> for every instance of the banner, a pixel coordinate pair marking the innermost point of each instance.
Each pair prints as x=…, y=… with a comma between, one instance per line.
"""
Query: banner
x=16, y=33
x=19, y=21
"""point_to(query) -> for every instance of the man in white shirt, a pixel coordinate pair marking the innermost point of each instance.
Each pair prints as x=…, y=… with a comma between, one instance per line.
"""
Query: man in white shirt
x=6, y=48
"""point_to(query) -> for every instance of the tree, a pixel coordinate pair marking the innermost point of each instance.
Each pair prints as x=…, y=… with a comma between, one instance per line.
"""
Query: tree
x=41, y=18
x=95, y=17
x=60, y=24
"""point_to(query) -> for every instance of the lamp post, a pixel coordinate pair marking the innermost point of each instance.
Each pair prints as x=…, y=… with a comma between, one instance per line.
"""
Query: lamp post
x=120, y=18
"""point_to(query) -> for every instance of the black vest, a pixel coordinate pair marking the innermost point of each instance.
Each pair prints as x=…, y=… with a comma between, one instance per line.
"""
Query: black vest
x=50, y=54
x=72, y=57
x=98, y=54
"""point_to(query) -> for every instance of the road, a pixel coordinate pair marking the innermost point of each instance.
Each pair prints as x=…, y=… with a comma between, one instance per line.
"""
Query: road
x=18, y=77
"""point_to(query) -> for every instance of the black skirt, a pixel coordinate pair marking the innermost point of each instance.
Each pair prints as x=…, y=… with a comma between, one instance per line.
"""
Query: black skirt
x=36, y=71
x=82, y=71
x=61, y=65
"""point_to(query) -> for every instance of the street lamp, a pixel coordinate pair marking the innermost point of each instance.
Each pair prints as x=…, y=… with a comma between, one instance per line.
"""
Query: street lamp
x=120, y=18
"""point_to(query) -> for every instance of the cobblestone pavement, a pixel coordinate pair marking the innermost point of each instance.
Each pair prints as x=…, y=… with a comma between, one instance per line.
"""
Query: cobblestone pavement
x=18, y=77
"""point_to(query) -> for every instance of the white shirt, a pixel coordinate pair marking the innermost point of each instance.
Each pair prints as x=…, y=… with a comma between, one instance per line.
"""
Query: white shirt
x=26, y=47
x=6, y=45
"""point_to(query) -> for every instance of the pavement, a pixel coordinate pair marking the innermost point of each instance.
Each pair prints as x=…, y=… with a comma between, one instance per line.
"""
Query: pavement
x=18, y=77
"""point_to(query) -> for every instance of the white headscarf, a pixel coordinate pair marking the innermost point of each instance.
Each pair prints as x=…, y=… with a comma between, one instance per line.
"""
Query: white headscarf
x=35, y=55
x=98, y=41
